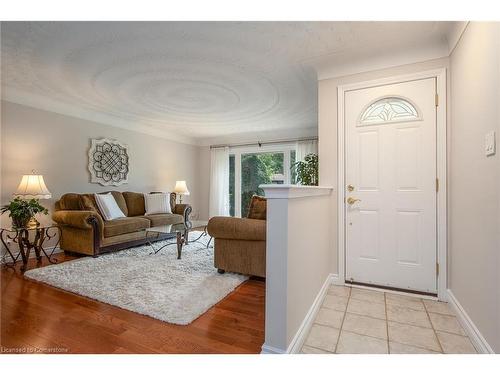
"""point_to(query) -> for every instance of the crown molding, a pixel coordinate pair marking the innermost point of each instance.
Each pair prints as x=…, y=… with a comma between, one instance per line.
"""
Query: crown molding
x=390, y=59
x=362, y=64
x=455, y=34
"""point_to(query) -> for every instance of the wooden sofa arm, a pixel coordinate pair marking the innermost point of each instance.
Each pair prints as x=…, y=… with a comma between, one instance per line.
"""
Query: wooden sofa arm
x=235, y=228
x=78, y=219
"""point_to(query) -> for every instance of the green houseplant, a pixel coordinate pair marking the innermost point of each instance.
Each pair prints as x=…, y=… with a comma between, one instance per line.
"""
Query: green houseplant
x=21, y=211
x=307, y=170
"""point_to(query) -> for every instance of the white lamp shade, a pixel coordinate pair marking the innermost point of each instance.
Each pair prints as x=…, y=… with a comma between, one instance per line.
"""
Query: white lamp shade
x=33, y=186
x=181, y=188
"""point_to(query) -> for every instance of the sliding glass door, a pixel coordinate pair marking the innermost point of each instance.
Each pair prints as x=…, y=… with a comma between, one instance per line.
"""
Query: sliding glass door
x=251, y=167
x=258, y=169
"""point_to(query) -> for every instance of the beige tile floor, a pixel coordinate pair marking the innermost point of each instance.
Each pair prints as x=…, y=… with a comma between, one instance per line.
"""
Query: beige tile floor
x=354, y=320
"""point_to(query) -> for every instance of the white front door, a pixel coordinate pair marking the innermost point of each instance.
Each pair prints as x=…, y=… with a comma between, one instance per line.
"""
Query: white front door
x=390, y=173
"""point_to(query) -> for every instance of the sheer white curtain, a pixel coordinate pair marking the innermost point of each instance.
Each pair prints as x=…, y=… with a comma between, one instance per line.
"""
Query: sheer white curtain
x=305, y=148
x=219, y=182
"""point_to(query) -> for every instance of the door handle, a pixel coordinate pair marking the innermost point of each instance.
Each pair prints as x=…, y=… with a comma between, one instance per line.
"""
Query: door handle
x=352, y=200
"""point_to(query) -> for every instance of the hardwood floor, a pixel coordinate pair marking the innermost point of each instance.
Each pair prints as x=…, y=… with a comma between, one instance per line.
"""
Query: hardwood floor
x=39, y=318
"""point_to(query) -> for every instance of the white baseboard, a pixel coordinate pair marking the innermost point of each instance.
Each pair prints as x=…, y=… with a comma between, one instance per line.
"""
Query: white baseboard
x=470, y=328
x=301, y=335
x=336, y=279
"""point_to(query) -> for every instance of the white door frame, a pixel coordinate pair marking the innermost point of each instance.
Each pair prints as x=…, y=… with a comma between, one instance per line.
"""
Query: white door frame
x=441, y=162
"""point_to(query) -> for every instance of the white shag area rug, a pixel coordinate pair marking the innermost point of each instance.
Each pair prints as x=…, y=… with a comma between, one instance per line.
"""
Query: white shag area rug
x=158, y=285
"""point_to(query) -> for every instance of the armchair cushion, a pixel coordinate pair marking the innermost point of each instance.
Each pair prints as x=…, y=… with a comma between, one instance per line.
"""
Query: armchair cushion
x=258, y=208
x=235, y=228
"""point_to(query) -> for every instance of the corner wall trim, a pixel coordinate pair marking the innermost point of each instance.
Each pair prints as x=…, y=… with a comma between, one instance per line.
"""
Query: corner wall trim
x=472, y=331
x=301, y=335
x=266, y=349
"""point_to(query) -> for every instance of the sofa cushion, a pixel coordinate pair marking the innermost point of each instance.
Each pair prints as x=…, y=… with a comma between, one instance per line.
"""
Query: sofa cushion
x=108, y=206
x=164, y=219
x=157, y=203
x=258, y=208
x=125, y=225
x=135, y=203
x=69, y=201
x=120, y=201
x=88, y=203
x=173, y=199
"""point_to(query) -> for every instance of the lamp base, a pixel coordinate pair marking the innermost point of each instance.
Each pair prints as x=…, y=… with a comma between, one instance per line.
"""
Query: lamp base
x=33, y=222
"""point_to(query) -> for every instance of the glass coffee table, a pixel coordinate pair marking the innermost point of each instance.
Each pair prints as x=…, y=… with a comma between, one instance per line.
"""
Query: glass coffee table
x=181, y=232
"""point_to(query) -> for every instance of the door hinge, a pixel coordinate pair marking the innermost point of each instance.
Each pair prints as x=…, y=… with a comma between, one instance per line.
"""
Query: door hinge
x=437, y=99
x=437, y=269
x=437, y=185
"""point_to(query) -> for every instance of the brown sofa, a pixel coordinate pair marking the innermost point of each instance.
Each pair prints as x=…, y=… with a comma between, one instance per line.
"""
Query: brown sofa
x=84, y=231
x=240, y=243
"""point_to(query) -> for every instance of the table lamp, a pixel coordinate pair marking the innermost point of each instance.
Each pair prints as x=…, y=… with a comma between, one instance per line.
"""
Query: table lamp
x=181, y=189
x=32, y=186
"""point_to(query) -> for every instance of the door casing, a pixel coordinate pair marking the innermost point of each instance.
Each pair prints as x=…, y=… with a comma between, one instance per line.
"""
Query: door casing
x=441, y=168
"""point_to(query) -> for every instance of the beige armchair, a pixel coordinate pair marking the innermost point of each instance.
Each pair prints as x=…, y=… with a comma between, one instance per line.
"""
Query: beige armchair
x=240, y=243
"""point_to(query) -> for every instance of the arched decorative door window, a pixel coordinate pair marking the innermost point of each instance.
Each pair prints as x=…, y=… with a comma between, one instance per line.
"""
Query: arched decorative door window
x=388, y=109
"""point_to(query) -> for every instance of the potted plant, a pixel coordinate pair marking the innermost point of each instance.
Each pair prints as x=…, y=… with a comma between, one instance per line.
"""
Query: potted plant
x=23, y=211
x=306, y=171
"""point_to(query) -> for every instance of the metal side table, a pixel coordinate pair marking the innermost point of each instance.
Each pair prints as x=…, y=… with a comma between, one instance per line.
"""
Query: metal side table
x=28, y=238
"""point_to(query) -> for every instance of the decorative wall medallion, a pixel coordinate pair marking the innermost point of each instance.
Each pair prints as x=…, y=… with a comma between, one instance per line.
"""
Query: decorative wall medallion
x=108, y=162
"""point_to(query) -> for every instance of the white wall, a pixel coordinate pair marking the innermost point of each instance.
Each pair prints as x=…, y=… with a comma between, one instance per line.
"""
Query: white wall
x=474, y=179
x=309, y=255
x=297, y=260
x=56, y=146
x=327, y=117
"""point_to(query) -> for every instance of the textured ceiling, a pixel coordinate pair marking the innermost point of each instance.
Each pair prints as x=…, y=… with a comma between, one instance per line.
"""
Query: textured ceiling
x=194, y=80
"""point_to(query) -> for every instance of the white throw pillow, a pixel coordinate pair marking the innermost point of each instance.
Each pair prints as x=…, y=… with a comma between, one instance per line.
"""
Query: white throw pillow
x=158, y=203
x=108, y=206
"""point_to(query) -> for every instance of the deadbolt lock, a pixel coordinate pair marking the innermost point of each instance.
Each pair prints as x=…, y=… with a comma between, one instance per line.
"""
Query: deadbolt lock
x=350, y=187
